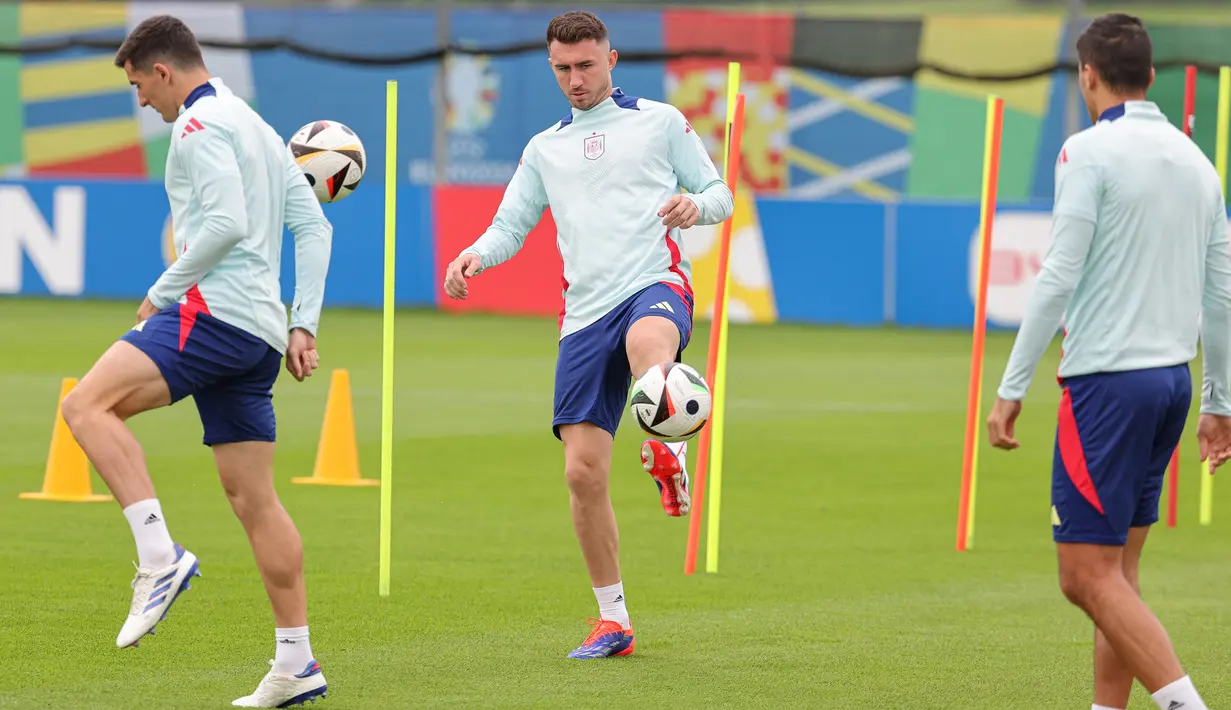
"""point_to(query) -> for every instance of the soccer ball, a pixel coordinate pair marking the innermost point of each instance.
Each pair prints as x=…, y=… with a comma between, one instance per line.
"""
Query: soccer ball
x=332, y=158
x=671, y=402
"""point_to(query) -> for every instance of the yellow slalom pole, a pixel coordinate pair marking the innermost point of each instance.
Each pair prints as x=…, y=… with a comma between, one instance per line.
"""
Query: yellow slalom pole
x=1224, y=120
x=1220, y=162
x=732, y=90
x=720, y=371
x=386, y=384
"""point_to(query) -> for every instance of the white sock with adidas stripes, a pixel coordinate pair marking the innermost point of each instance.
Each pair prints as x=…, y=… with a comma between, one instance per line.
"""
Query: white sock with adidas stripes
x=1180, y=695
x=154, y=547
x=611, y=605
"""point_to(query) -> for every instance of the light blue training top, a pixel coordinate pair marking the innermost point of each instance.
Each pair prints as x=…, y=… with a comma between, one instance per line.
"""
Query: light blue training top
x=232, y=184
x=1139, y=264
x=605, y=172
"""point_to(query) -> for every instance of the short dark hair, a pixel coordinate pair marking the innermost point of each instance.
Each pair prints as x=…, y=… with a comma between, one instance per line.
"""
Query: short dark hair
x=573, y=27
x=162, y=38
x=1118, y=46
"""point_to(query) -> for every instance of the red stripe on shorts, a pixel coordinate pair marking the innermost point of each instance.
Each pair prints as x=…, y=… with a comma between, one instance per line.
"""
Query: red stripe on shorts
x=188, y=313
x=1072, y=454
x=685, y=297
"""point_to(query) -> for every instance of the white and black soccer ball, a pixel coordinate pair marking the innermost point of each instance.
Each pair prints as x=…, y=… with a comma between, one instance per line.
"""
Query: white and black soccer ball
x=671, y=402
x=332, y=158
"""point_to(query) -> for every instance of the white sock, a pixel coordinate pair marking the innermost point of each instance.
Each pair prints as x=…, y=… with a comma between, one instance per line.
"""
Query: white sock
x=611, y=603
x=1103, y=707
x=680, y=450
x=293, y=653
x=1180, y=695
x=154, y=547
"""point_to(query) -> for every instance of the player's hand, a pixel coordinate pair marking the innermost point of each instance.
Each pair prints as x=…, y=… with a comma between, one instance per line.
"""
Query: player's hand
x=1214, y=439
x=146, y=310
x=1000, y=423
x=680, y=211
x=462, y=268
x=301, y=356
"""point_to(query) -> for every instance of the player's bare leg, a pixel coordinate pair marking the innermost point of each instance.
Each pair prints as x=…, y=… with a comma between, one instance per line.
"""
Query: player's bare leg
x=1092, y=577
x=651, y=341
x=1113, y=681
x=124, y=380
x=123, y=383
x=246, y=470
x=587, y=464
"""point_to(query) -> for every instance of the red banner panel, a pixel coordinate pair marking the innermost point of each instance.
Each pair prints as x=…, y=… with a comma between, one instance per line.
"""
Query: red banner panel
x=765, y=35
x=698, y=87
x=527, y=284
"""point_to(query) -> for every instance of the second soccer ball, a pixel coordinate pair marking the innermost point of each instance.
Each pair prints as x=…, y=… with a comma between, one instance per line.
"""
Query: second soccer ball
x=332, y=158
x=671, y=402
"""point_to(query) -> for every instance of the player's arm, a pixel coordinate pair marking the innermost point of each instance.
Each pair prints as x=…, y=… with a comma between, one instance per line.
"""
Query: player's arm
x=1073, y=224
x=1216, y=321
x=696, y=172
x=520, y=210
x=313, y=242
x=208, y=158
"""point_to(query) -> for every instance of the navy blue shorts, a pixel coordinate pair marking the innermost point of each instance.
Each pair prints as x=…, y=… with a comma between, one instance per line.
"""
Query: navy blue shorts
x=592, y=371
x=230, y=373
x=1114, y=439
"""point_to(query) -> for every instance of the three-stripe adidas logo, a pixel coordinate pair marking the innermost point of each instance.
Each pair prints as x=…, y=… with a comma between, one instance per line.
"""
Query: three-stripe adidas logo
x=663, y=305
x=152, y=519
x=192, y=126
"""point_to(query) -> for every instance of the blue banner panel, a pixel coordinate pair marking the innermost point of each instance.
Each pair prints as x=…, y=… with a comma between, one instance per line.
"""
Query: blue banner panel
x=934, y=243
x=293, y=90
x=827, y=260
x=112, y=240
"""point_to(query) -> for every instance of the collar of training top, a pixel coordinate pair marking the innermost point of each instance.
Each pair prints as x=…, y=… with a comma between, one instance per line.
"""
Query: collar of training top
x=206, y=89
x=618, y=97
x=1136, y=108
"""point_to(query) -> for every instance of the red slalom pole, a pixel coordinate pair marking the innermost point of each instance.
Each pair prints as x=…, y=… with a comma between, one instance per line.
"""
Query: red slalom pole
x=1190, y=99
x=1189, y=126
x=970, y=455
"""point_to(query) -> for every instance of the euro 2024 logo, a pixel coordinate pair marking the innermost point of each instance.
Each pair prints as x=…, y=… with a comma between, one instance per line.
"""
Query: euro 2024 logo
x=472, y=87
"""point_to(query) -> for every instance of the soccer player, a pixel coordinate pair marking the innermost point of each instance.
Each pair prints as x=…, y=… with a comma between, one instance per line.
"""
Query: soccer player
x=1140, y=259
x=611, y=171
x=213, y=326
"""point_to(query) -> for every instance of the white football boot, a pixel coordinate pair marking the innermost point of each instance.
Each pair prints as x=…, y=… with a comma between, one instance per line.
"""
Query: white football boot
x=153, y=593
x=282, y=690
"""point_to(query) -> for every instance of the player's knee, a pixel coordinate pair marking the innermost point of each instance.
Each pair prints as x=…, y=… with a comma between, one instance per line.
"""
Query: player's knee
x=76, y=410
x=248, y=502
x=1073, y=586
x=1082, y=587
x=586, y=475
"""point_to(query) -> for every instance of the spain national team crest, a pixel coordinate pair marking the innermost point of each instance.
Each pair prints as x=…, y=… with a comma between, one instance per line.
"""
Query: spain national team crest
x=595, y=146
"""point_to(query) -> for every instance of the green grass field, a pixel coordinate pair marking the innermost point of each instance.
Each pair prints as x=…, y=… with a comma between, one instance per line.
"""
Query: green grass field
x=839, y=584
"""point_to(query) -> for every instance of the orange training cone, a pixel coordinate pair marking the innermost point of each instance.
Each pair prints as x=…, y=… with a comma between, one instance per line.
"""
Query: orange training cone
x=337, y=456
x=67, y=477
